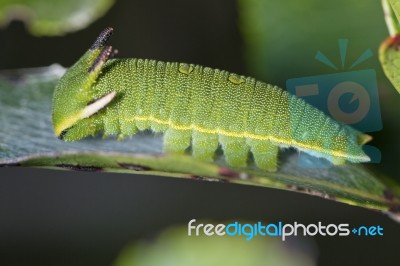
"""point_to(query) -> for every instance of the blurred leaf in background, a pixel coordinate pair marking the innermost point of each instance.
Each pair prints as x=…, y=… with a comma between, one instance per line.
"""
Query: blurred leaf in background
x=53, y=17
x=175, y=247
x=395, y=4
x=389, y=54
x=282, y=37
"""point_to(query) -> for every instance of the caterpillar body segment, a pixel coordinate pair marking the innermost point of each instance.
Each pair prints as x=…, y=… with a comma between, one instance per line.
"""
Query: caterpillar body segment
x=197, y=107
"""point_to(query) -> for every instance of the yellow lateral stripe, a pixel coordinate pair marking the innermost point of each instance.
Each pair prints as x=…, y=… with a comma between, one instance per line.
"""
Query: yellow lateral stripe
x=242, y=135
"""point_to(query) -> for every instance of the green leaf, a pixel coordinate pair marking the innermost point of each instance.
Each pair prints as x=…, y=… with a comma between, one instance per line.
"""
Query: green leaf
x=27, y=139
x=389, y=50
x=175, y=247
x=53, y=17
x=389, y=56
x=396, y=7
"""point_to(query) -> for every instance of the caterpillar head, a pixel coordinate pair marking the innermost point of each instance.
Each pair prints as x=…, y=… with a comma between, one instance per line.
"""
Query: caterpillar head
x=73, y=99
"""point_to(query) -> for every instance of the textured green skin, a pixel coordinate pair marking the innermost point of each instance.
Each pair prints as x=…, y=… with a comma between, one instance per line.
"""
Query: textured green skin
x=206, y=98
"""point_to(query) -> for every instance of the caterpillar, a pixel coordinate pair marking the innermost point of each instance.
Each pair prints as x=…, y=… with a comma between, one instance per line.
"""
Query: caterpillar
x=197, y=107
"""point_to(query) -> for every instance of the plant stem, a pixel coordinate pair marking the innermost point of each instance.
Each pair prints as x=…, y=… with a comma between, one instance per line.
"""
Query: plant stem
x=390, y=18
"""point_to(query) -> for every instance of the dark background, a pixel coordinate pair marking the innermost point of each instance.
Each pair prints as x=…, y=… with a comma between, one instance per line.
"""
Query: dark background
x=52, y=217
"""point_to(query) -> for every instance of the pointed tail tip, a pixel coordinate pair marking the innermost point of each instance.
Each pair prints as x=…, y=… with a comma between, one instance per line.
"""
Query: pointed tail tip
x=364, y=138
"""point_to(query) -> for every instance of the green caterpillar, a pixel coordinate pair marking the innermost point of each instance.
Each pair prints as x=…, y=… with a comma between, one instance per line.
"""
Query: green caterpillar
x=194, y=106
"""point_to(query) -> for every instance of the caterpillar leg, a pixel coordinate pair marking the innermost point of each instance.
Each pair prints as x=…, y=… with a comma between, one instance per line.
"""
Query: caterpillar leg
x=204, y=145
x=340, y=143
x=338, y=160
x=128, y=128
x=111, y=122
x=265, y=154
x=84, y=128
x=235, y=149
x=177, y=141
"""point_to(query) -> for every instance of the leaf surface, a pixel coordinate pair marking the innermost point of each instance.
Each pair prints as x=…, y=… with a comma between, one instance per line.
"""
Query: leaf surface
x=27, y=139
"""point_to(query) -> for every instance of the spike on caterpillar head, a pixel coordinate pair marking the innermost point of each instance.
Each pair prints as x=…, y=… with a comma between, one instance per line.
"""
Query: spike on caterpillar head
x=101, y=59
x=77, y=83
x=102, y=38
